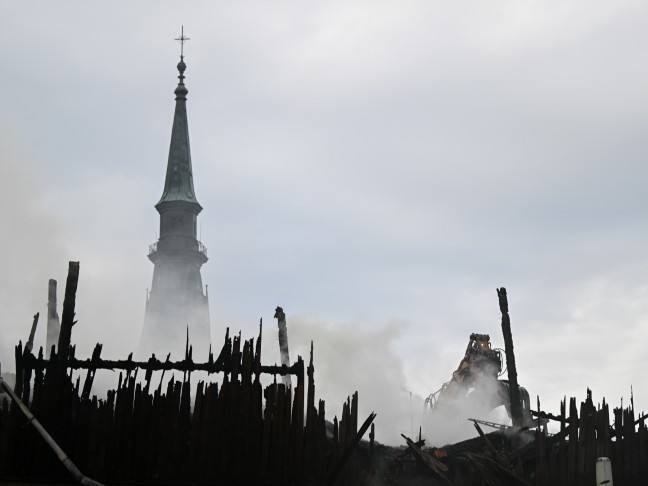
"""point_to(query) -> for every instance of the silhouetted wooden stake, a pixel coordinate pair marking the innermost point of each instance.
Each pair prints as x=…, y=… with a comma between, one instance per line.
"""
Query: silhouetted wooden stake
x=336, y=438
x=562, y=445
x=67, y=319
x=184, y=376
x=87, y=384
x=572, y=453
x=283, y=342
x=541, y=463
x=53, y=323
x=351, y=447
x=514, y=389
x=257, y=354
x=354, y=415
x=30, y=342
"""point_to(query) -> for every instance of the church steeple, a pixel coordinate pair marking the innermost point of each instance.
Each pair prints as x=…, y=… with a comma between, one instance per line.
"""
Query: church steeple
x=177, y=302
x=178, y=185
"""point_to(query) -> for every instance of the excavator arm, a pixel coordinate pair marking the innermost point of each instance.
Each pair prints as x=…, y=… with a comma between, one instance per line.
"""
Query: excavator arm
x=480, y=364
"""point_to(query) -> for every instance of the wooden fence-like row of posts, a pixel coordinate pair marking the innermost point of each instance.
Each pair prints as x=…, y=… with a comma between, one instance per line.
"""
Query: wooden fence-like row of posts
x=234, y=431
x=568, y=458
x=237, y=431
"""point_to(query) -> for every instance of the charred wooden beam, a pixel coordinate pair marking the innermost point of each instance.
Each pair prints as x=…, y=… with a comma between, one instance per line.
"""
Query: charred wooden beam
x=283, y=342
x=431, y=462
x=493, y=425
x=53, y=323
x=489, y=444
x=225, y=356
x=29, y=361
x=19, y=357
x=87, y=384
x=613, y=433
x=350, y=448
x=30, y=342
x=545, y=415
x=60, y=454
x=514, y=389
x=419, y=443
x=67, y=319
x=528, y=450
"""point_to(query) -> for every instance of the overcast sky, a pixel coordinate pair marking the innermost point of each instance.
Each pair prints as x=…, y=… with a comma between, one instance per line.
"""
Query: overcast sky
x=375, y=168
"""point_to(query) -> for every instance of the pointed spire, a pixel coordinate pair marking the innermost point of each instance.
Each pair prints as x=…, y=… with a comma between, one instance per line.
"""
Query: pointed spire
x=178, y=185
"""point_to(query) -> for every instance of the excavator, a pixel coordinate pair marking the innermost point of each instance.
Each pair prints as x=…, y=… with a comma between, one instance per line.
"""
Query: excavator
x=476, y=385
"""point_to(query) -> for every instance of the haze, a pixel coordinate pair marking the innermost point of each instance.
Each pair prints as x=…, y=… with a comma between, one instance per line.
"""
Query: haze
x=375, y=168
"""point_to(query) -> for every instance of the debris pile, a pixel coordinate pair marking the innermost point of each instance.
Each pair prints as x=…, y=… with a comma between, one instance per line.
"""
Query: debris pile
x=233, y=430
x=236, y=431
x=514, y=455
x=176, y=431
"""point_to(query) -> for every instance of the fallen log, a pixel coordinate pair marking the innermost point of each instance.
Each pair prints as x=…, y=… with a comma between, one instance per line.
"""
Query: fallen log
x=431, y=462
x=60, y=454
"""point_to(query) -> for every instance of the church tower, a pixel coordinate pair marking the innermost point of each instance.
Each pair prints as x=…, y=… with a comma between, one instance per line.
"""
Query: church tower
x=177, y=300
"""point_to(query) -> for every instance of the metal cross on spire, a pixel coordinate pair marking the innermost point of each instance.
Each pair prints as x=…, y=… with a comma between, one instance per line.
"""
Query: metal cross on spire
x=182, y=39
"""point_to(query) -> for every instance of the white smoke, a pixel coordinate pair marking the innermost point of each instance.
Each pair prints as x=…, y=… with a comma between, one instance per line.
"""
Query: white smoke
x=449, y=422
x=31, y=249
x=46, y=226
x=351, y=357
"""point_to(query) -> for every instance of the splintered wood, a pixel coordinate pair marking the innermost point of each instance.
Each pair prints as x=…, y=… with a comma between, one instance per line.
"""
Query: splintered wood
x=234, y=430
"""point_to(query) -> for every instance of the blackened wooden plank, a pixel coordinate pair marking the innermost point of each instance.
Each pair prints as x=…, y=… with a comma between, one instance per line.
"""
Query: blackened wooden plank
x=514, y=390
x=67, y=318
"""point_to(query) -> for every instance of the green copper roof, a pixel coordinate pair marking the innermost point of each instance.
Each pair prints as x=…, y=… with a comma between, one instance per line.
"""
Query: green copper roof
x=178, y=185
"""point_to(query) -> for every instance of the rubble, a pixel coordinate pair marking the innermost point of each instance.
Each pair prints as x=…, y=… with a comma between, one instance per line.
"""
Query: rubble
x=236, y=431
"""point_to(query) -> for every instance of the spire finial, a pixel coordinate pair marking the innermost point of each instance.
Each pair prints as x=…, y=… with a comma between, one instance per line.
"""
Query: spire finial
x=182, y=39
x=181, y=91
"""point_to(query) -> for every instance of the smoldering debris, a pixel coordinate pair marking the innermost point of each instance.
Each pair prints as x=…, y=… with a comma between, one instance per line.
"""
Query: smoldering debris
x=231, y=429
x=512, y=455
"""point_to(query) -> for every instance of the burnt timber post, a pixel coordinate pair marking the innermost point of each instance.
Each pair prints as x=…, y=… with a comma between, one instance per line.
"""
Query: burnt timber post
x=53, y=324
x=30, y=342
x=283, y=342
x=514, y=390
x=67, y=319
